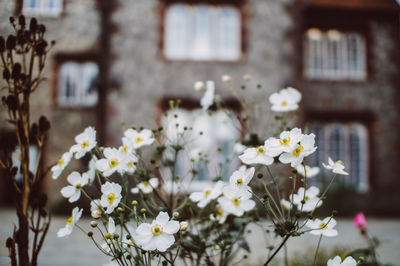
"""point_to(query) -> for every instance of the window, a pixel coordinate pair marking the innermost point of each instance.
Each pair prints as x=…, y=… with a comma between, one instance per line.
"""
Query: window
x=51, y=8
x=202, y=32
x=77, y=84
x=334, y=55
x=209, y=138
x=347, y=142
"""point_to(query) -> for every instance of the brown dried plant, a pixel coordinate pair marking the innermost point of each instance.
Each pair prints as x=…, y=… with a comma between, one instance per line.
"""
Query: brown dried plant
x=23, y=55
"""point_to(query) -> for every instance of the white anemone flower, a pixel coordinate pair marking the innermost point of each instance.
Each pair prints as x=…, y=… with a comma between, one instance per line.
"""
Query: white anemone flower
x=336, y=167
x=285, y=100
x=95, y=208
x=296, y=155
x=114, y=162
x=242, y=177
x=85, y=142
x=199, y=86
x=286, y=205
x=137, y=139
x=69, y=225
x=208, y=97
x=146, y=186
x=61, y=164
x=219, y=215
x=91, y=172
x=111, y=196
x=130, y=162
x=287, y=140
x=73, y=191
x=307, y=171
x=207, y=195
x=324, y=227
x=226, y=78
x=236, y=201
x=158, y=235
x=310, y=197
x=259, y=155
x=337, y=261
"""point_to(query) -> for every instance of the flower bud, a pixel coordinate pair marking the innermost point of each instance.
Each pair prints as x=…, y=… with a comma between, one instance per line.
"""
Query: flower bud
x=121, y=210
x=116, y=236
x=90, y=234
x=134, y=202
x=11, y=42
x=175, y=215
x=143, y=210
x=108, y=236
x=93, y=224
x=21, y=20
x=183, y=226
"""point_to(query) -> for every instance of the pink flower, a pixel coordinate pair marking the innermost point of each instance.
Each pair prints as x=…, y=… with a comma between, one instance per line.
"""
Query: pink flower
x=359, y=220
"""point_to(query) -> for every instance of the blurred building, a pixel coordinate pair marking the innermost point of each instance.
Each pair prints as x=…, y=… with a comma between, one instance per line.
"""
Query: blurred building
x=121, y=60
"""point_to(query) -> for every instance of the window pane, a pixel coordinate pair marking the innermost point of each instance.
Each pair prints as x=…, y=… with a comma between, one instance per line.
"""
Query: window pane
x=229, y=40
x=176, y=27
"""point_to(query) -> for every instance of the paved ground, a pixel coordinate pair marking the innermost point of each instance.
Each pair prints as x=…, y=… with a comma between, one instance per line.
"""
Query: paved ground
x=78, y=250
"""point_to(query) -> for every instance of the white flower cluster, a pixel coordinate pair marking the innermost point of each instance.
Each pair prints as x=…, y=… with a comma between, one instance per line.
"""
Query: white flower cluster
x=234, y=198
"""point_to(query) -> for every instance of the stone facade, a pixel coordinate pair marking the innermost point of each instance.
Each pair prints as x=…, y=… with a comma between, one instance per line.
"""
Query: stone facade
x=270, y=56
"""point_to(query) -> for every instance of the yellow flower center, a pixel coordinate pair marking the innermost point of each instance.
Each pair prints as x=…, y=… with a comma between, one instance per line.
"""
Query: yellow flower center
x=236, y=201
x=78, y=186
x=340, y=162
x=207, y=192
x=131, y=163
x=298, y=150
x=284, y=141
x=125, y=148
x=110, y=197
x=284, y=103
x=113, y=162
x=261, y=149
x=156, y=229
x=84, y=144
x=61, y=162
x=146, y=183
x=323, y=225
x=306, y=198
x=70, y=219
x=138, y=139
x=219, y=211
x=239, y=181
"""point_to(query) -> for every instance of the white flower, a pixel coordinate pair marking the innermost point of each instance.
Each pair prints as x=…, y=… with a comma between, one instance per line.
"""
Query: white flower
x=114, y=162
x=336, y=167
x=137, y=139
x=239, y=148
x=91, y=172
x=297, y=153
x=247, y=77
x=311, y=199
x=287, y=140
x=130, y=161
x=226, y=78
x=285, y=100
x=110, y=226
x=236, y=201
x=220, y=215
x=146, y=186
x=308, y=171
x=95, y=208
x=61, y=164
x=158, y=235
x=286, y=205
x=86, y=141
x=111, y=196
x=67, y=230
x=199, y=86
x=242, y=177
x=207, y=195
x=208, y=97
x=337, y=261
x=324, y=227
x=259, y=155
x=73, y=191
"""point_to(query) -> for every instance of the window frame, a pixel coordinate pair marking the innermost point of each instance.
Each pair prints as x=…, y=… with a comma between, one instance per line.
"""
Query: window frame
x=191, y=104
x=78, y=58
x=325, y=38
x=240, y=5
x=42, y=12
x=367, y=120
